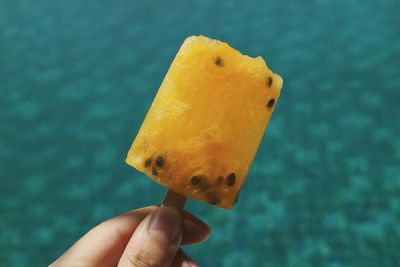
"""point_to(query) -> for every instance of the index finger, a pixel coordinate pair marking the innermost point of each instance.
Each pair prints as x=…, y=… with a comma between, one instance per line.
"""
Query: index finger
x=104, y=244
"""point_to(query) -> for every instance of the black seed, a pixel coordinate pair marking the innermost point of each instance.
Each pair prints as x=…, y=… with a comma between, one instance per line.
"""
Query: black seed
x=160, y=161
x=154, y=171
x=214, y=200
x=271, y=103
x=269, y=81
x=195, y=180
x=219, y=180
x=218, y=61
x=231, y=179
x=147, y=163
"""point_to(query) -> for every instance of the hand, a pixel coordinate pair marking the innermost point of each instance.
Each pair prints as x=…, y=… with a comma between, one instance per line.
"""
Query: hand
x=147, y=237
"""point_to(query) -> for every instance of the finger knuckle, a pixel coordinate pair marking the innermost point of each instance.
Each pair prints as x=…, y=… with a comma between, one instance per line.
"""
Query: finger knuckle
x=142, y=258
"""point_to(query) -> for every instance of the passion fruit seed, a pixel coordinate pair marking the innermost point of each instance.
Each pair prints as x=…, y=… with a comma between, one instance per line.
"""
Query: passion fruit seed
x=160, y=161
x=269, y=81
x=195, y=180
x=219, y=62
x=231, y=179
x=154, y=171
x=147, y=162
x=214, y=200
x=271, y=103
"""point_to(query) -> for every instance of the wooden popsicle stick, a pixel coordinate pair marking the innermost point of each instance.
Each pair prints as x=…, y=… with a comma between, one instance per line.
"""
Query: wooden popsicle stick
x=174, y=200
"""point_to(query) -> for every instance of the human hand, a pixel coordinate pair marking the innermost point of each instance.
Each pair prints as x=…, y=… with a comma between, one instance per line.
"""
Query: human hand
x=147, y=237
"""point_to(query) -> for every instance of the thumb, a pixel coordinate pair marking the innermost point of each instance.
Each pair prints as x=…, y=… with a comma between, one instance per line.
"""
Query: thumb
x=155, y=241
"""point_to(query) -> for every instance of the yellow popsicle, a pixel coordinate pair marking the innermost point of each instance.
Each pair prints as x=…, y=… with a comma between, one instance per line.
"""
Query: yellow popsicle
x=206, y=122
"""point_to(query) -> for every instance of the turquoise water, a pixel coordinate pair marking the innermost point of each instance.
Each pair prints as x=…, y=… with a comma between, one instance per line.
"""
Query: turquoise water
x=77, y=77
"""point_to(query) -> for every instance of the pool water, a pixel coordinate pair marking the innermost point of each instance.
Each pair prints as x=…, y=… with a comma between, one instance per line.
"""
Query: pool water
x=76, y=80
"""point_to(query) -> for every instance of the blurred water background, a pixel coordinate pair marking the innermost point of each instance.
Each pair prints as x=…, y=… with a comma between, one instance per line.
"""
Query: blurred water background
x=77, y=77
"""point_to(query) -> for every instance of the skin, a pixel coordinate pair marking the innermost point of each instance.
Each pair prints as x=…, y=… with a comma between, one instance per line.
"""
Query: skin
x=147, y=237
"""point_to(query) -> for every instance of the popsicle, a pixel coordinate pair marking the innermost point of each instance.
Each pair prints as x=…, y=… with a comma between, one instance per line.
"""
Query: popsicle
x=204, y=127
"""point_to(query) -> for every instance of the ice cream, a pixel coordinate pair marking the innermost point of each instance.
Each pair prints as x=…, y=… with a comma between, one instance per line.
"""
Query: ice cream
x=206, y=122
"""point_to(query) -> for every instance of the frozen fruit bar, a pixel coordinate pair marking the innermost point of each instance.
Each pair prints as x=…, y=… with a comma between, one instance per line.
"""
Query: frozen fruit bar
x=206, y=122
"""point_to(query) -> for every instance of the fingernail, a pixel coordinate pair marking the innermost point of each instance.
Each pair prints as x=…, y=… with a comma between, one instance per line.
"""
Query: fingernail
x=198, y=225
x=165, y=223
